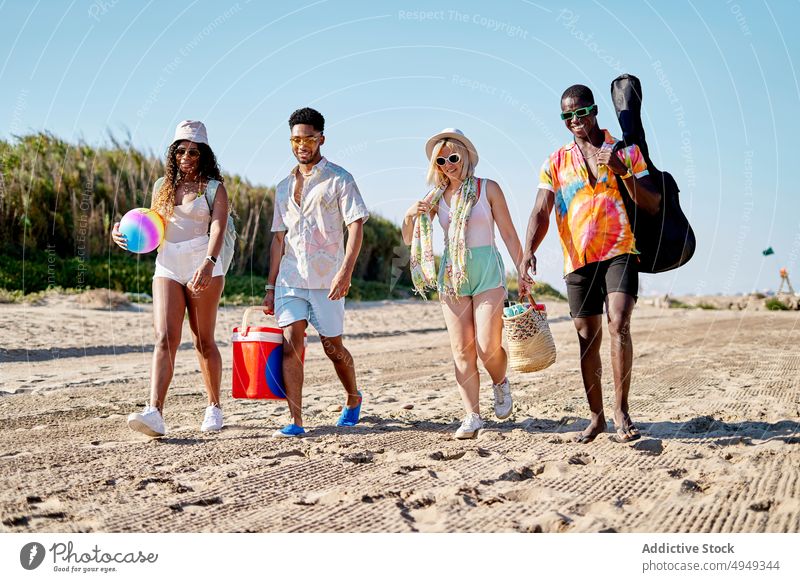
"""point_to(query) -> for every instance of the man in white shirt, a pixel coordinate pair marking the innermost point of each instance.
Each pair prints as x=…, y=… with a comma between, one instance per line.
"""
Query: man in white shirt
x=310, y=269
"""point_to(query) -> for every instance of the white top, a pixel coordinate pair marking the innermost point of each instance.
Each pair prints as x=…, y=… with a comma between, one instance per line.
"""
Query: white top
x=190, y=220
x=480, y=226
x=314, y=243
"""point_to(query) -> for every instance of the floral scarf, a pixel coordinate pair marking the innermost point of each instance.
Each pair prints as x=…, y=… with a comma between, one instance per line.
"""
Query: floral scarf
x=453, y=265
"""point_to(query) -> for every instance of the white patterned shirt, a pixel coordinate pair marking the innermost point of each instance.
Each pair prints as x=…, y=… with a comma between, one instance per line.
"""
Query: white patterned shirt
x=314, y=243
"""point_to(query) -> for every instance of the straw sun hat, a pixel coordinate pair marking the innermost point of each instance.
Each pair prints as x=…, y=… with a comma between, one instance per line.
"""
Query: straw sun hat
x=456, y=134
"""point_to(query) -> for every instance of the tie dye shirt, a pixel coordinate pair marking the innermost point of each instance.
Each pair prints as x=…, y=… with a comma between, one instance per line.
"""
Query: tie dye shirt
x=592, y=222
x=314, y=243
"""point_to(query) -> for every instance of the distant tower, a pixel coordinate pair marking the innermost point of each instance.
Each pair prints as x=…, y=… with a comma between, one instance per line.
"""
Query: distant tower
x=785, y=279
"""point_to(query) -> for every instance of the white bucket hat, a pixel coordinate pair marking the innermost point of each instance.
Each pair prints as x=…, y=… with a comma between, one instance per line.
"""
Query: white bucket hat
x=456, y=134
x=192, y=130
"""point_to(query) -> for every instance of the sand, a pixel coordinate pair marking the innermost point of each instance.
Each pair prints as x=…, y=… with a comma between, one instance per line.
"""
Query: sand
x=716, y=395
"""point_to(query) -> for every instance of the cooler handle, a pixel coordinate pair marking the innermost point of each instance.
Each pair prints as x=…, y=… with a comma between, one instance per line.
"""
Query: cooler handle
x=243, y=330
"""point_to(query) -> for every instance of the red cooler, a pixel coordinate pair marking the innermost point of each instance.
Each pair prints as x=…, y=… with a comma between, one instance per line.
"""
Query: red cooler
x=258, y=360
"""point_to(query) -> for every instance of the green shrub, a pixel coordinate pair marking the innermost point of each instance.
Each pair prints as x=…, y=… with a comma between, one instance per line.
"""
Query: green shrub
x=58, y=201
x=775, y=304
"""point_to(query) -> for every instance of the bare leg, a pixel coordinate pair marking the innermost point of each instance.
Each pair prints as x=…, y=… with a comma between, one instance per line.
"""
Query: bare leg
x=344, y=366
x=590, y=335
x=293, y=346
x=169, y=306
x=487, y=310
x=619, y=307
x=203, y=322
x=461, y=328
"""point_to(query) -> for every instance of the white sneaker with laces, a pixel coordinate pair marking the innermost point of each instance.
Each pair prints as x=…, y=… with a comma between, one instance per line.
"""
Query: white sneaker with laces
x=149, y=422
x=212, y=422
x=470, y=427
x=503, y=404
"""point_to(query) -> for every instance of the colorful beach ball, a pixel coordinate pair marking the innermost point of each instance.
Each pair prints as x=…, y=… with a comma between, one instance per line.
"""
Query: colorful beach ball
x=144, y=229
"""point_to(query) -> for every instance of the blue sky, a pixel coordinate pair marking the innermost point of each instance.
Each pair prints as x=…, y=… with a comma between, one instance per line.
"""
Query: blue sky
x=720, y=86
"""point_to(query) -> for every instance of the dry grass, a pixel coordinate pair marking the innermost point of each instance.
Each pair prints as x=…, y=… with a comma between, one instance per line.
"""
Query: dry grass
x=103, y=299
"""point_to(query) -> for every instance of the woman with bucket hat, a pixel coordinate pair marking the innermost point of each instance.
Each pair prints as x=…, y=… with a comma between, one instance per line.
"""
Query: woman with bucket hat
x=189, y=274
x=471, y=277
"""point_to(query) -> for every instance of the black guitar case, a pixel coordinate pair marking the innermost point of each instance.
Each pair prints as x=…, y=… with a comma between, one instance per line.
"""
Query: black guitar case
x=665, y=240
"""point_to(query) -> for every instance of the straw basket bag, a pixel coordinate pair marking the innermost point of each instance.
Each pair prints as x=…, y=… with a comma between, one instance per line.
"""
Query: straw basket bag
x=530, y=344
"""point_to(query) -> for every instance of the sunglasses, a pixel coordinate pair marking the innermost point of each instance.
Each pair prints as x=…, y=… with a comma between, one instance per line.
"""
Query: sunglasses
x=452, y=158
x=192, y=153
x=307, y=141
x=582, y=112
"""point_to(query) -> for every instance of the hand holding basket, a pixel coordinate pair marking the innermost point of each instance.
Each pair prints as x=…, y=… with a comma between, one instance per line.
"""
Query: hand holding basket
x=530, y=344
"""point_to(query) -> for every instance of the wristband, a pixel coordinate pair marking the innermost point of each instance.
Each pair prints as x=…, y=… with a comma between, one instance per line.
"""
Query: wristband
x=211, y=258
x=269, y=287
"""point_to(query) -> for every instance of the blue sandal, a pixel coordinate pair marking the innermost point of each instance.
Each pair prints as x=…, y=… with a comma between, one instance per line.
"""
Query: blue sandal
x=350, y=416
x=290, y=430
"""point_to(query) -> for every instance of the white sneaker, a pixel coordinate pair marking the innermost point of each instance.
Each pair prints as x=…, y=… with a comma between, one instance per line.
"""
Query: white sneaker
x=502, y=399
x=470, y=427
x=212, y=422
x=149, y=422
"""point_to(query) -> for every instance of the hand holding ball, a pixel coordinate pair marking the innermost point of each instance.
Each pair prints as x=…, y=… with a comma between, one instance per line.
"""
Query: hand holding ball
x=143, y=230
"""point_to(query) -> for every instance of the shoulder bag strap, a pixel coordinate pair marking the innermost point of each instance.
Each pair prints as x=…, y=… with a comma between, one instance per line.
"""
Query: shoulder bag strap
x=210, y=194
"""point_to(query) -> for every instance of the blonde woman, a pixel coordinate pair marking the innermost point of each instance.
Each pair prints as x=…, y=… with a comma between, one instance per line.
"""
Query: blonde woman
x=189, y=276
x=471, y=278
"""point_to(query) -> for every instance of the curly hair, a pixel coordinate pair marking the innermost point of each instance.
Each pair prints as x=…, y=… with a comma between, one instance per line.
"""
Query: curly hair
x=208, y=169
x=307, y=116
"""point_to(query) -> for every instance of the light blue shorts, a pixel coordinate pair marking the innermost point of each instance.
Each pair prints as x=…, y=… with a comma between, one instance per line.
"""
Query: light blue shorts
x=295, y=304
x=484, y=271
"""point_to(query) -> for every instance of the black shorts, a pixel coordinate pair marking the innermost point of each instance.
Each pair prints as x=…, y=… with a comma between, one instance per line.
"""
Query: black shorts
x=588, y=286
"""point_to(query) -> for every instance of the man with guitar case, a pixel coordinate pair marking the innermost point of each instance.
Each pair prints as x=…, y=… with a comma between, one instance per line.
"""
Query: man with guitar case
x=588, y=182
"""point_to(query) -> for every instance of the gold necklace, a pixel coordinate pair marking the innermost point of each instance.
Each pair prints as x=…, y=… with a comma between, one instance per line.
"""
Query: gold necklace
x=183, y=188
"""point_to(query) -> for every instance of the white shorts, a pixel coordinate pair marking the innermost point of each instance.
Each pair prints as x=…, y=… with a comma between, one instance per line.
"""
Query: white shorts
x=179, y=261
x=295, y=304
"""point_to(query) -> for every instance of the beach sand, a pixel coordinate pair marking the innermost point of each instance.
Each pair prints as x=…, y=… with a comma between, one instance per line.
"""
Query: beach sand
x=716, y=394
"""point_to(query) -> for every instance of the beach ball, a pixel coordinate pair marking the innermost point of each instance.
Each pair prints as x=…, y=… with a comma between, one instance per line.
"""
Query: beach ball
x=144, y=229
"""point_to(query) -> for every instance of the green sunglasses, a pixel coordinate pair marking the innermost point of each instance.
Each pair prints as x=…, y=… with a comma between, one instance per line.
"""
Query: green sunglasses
x=582, y=112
